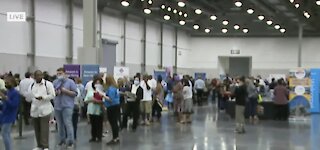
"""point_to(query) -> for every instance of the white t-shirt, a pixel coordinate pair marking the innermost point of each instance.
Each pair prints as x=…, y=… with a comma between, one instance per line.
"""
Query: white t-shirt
x=187, y=93
x=88, y=86
x=152, y=83
x=147, y=94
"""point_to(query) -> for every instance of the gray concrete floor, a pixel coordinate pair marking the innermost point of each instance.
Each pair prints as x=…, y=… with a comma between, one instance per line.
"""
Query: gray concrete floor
x=210, y=130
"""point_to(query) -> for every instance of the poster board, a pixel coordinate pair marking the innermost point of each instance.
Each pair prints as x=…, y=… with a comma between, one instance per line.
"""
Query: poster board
x=200, y=74
x=315, y=91
x=120, y=72
x=88, y=71
x=161, y=73
x=72, y=70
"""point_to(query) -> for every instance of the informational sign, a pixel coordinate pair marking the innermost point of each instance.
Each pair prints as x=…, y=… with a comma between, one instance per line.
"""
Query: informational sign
x=88, y=71
x=16, y=16
x=120, y=72
x=72, y=70
x=163, y=74
x=201, y=75
x=235, y=51
x=315, y=91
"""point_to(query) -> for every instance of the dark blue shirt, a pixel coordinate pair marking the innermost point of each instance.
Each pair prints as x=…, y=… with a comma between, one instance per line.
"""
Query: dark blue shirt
x=10, y=107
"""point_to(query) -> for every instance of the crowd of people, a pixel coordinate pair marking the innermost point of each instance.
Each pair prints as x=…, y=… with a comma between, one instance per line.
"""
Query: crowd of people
x=106, y=101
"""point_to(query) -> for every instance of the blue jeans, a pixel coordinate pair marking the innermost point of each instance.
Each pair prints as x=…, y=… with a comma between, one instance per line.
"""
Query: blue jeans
x=6, y=135
x=64, y=121
x=253, y=102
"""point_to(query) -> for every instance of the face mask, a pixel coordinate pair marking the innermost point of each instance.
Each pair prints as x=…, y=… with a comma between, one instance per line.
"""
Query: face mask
x=98, y=87
x=60, y=77
x=136, y=82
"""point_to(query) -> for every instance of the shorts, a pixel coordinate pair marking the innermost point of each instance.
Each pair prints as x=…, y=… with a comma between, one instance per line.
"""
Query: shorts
x=146, y=107
x=187, y=106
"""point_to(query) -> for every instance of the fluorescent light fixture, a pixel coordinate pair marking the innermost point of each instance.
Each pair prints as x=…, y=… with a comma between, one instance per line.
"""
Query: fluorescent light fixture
x=277, y=27
x=169, y=8
x=180, y=13
x=238, y=3
x=163, y=7
x=196, y=27
x=250, y=11
x=175, y=11
x=269, y=22
x=224, y=30
x=147, y=11
x=245, y=30
x=260, y=17
x=297, y=5
x=181, y=4
x=185, y=15
x=207, y=30
x=236, y=27
x=182, y=22
x=291, y=1
x=213, y=17
x=318, y=2
x=166, y=17
x=282, y=30
x=125, y=3
x=225, y=22
x=198, y=11
x=150, y=2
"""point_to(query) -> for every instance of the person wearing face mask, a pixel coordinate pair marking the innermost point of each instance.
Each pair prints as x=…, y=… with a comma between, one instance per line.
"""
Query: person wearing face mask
x=66, y=91
x=133, y=106
x=10, y=100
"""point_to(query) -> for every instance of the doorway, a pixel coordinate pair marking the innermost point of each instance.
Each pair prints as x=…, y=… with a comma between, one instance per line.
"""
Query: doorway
x=235, y=66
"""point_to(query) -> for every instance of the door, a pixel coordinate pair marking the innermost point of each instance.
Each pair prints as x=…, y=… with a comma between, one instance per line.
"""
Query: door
x=239, y=66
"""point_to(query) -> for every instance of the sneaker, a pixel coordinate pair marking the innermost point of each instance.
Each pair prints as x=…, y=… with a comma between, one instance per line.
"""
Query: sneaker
x=37, y=148
x=113, y=142
x=92, y=140
x=61, y=143
x=70, y=145
x=46, y=149
x=147, y=123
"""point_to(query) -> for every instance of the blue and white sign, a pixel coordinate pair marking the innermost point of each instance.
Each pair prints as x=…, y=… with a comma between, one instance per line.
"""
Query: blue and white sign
x=200, y=74
x=88, y=71
x=315, y=91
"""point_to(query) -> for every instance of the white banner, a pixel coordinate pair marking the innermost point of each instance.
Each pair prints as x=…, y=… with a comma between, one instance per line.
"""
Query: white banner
x=120, y=72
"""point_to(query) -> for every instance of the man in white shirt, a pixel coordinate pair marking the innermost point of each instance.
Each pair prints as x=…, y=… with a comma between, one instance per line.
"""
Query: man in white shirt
x=199, y=86
x=146, y=102
x=24, y=88
x=41, y=92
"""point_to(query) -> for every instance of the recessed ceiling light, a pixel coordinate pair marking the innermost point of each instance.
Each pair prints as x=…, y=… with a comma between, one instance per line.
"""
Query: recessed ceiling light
x=282, y=30
x=196, y=27
x=207, y=30
x=269, y=22
x=250, y=11
x=236, y=27
x=169, y=8
x=318, y=2
x=181, y=4
x=163, y=7
x=180, y=13
x=185, y=15
x=224, y=30
x=306, y=14
x=225, y=22
x=238, y=3
x=147, y=11
x=175, y=11
x=297, y=5
x=245, y=30
x=198, y=11
x=150, y=2
x=181, y=22
x=125, y=3
x=166, y=17
x=291, y=1
x=277, y=26
x=213, y=17
x=261, y=17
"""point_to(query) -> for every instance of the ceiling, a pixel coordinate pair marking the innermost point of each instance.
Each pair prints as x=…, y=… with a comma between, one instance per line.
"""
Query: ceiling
x=280, y=12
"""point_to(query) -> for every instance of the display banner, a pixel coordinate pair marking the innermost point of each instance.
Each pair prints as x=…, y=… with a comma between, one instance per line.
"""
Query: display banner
x=315, y=91
x=120, y=72
x=163, y=74
x=88, y=71
x=201, y=75
x=72, y=70
x=299, y=97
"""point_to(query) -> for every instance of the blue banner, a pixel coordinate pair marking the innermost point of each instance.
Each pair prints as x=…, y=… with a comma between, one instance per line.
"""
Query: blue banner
x=201, y=75
x=88, y=71
x=315, y=91
x=163, y=74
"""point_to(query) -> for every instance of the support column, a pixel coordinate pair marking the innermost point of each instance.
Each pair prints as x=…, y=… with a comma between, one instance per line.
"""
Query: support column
x=300, y=45
x=69, y=27
x=124, y=39
x=31, y=20
x=143, y=68
x=176, y=51
x=161, y=45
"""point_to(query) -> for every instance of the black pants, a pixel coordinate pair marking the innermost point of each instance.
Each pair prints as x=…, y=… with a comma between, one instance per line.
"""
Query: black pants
x=214, y=95
x=156, y=110
x=200, y=95
x=281, y=112
x=26, y=110
x=75, y=120
x=96, y=122
x=133, y=110
x=113, y=116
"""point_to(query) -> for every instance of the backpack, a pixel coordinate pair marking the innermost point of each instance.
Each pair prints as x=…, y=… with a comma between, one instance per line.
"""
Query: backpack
x=45, y=84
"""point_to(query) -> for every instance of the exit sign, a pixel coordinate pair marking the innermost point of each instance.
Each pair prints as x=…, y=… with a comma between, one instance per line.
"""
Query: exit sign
x=237, y=51
x=16, y=16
